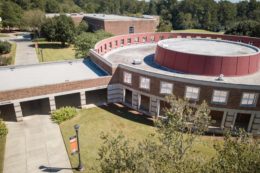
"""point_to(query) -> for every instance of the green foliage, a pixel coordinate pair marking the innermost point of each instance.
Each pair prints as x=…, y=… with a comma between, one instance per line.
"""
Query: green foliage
x=164, y=26
x=60, y=28
x=11, y=14
x=87, y=40
x=248, y=28
x=82, y=27
x=237, y=154
x=63, y=114
x=165, y=151
x=52, y=6
x=3, y=129
x=5, y=47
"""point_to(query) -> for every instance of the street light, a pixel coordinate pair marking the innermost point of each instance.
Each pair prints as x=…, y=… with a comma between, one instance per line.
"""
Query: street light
x=80, y=166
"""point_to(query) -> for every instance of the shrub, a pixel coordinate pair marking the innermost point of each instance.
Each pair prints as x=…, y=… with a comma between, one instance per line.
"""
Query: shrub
x=63, y=114
x=5, y=47
x=3, y=129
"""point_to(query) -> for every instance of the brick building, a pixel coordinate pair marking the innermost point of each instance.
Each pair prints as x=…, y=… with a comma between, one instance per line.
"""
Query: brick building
x=119, y=25
x=188, y=65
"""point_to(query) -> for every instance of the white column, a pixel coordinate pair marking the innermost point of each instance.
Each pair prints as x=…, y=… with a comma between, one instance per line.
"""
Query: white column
x=250, y=122
x=223, y=120
x=138, y=101
x=83, y=99
x=124, y=95
x=18, y=111
x=158, y=108
x=234, y=120
x=52, y=103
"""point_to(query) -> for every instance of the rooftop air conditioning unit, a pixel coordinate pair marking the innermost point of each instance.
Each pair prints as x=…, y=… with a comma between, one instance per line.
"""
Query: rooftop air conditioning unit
x=137, y=62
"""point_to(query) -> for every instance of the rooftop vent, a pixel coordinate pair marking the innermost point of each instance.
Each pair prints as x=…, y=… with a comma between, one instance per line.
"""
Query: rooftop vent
x=220, y=78
x=137, y=62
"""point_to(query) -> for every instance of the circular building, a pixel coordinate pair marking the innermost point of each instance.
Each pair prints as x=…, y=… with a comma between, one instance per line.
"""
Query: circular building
x=148, y=66
x=208, y=56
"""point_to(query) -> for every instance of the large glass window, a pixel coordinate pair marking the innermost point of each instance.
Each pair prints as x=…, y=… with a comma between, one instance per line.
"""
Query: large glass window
x=249, y=99
x=166, y=88
x=192, y=93
x=144, y=83
x=219, y=96
x=127, y=78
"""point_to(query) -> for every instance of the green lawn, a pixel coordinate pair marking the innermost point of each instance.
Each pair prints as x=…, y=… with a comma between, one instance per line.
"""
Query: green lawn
x=53, y=51
x=4, y=35
x=2, y=152
x=196, y=31
x=112, y=119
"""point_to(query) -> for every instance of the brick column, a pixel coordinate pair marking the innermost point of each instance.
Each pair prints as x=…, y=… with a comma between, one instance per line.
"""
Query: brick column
x=52, y=103
x=18, y=111
x=83, y=99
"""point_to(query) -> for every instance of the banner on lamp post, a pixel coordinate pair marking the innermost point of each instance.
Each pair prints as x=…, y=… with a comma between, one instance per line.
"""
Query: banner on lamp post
x=73, y=145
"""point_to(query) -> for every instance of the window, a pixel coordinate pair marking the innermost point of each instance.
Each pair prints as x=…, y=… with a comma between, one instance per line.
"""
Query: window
x=131, y=29
x=129, y=41
x=122, y=42
x=249, y=99
x=152, y=38
x=136, y=39
x=116, y=43
x=219, y=96
x=192, y=93
x=144, y=39
x=127, y=78
x=144, y=83
x=166, y=88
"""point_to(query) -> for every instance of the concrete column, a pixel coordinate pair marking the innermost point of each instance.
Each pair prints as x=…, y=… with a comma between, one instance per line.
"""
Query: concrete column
x=230, y=119
x=223, y=120
x=250, y=122
x=256, y=125
x=124, y=95
x=154, y=106
x=83, y=99
x=52, y=103
x=135, y=101
x=234, y=120
x=18, y=111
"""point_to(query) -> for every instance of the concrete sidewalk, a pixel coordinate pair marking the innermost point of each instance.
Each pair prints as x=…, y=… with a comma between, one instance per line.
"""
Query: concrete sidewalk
x=35, y=145
x=25, y=51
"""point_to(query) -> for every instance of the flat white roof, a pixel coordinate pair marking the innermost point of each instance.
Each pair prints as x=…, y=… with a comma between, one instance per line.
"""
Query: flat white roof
x=18, y=77
x=145, y=53
x=208, y=47
x=118, y=17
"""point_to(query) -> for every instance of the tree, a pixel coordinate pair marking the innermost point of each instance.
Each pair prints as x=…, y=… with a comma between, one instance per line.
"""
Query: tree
x=86, y=41
x=11, y=14
x=33, y=19
x=227, y=14
x=60, y=28
x=82, y=27
x=52, y=6
x=246, y=28
x=164, y=151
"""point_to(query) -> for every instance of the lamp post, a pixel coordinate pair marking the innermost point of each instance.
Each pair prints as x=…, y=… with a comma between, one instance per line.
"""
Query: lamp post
x=80, y=166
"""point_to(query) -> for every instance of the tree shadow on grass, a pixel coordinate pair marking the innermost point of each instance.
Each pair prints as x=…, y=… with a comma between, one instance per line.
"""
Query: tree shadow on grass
x=51, y=46
x=128, y=113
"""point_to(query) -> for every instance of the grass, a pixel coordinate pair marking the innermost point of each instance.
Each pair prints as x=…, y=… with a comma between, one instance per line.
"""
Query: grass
x=196, y=31
x=9, y=59
x=4, y=35
x=2, y=152
x=12, y=53
x=114, y=119
x=53, y=51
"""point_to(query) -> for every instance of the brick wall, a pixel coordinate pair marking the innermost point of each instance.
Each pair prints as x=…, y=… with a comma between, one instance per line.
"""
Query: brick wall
x=206, y=92
x=55, y=88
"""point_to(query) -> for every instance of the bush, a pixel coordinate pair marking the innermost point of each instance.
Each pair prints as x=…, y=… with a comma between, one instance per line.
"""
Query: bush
x=5, y=47
x=3, y=129
x=63, y=114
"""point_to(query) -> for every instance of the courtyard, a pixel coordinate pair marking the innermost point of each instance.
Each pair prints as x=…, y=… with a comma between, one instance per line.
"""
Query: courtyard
x=114, y=119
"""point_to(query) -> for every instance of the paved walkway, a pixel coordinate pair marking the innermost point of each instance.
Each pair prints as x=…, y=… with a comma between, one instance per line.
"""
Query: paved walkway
x=35, y=145
x=25, y=51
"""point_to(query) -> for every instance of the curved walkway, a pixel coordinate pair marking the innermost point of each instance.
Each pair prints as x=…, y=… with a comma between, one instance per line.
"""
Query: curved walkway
x=35, y=145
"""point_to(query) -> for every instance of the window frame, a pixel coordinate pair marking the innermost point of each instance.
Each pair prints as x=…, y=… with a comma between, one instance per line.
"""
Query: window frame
x=124, y=78
x=131, y=30
x=254, y=101
x=161, y=85
x=222, y=103
x=185, y=95
x=140, y=83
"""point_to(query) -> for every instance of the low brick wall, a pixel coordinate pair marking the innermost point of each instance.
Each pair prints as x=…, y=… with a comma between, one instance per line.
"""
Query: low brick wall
x=55, y=88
